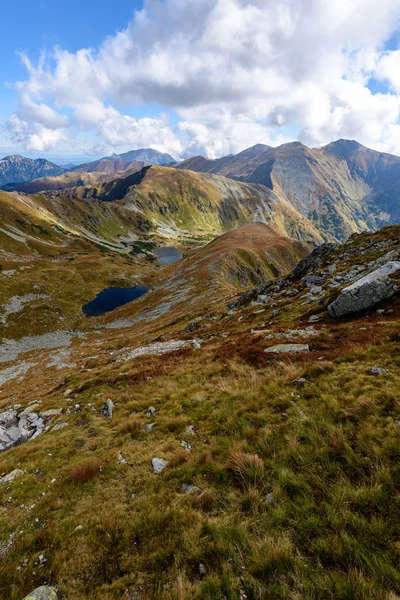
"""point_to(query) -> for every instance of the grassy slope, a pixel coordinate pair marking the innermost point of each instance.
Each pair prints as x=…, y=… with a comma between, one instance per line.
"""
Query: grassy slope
x=299, y=485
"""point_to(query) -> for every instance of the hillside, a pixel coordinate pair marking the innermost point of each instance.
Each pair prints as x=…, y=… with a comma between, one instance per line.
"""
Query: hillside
x=342, y=188
x=17, y=169
x=181, y=204
x=171, y=451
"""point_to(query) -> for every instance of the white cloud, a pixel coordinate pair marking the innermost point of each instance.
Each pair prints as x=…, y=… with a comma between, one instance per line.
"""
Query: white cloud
x=235, y=72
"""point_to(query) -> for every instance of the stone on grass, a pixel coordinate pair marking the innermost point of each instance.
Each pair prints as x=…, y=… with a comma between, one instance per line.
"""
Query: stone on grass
x=44, y=592
x=11, y=476
x=121, y=459
x=287, y=348
x=366, y=292
x=159, y=465
x=150, y=411
x=378, y=371
x=186, y=488
x=107, y=409
x=149, y=427
x=314, y=319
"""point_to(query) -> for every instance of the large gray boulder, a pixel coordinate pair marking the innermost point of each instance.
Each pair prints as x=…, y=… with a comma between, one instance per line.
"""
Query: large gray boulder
x=366, y=292
x=44, y=592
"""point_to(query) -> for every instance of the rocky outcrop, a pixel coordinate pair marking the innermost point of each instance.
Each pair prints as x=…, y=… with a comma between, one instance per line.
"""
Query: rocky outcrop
x=366, y=292
x=17, y=427
x=313, y=261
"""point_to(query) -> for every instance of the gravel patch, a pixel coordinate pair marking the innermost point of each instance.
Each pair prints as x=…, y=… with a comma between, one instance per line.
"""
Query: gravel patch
x=10, y=349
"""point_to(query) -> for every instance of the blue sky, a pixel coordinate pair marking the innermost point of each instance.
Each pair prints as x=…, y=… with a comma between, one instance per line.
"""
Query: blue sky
x=32, y=26
x=197, y=76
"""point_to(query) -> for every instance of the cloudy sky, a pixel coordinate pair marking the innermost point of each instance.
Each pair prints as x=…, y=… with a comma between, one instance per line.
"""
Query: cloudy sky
x=197, y=76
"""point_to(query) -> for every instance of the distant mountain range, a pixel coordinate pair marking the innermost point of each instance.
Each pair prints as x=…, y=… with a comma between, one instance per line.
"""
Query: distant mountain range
x=127, y=160
x=17, y=169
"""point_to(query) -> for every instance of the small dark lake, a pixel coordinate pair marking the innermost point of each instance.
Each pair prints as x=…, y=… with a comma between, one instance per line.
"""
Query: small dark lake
x=168, y=255
x=112, y=298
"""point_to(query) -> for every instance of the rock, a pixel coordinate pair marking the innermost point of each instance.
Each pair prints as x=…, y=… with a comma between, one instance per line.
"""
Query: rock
x=149, y=427
x=314, y=319
x=11, y=476
x=287, y=348
x=60, y=426
x=107, y=409
x=28, y=410
x=190, y=430
x=300, y=382
x=12, y=436
x=186, y=488
x=269, y=498
x=378, y=371
x=159, y=465
x=68, y=392
x=150, y=411
x=316, y=289
x=192, y=326
x=202, y=570
x=77, y=529
x=8, y=418
x=121, y=459
x=274, y=313
x=313, y=261
x=366, y=292
x=48, y=414
x=44, y=592
x=196, y=345
x=186, y=446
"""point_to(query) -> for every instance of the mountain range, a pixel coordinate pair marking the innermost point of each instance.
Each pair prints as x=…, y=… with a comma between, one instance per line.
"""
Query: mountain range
x=16, y=169
x=342, y=187
x=339, y=189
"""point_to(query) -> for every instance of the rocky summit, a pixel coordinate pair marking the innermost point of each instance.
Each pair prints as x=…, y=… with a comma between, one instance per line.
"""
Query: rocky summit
x=234, y=431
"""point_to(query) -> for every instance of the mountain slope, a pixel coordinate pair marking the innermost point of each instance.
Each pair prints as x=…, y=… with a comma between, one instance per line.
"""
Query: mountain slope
x=181, y=203
x=278, y=473
x=16, y=169
x=342, y=188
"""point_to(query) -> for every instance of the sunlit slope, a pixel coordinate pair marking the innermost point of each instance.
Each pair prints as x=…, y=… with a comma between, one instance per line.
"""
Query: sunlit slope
x=177, y=203
x=342, y=188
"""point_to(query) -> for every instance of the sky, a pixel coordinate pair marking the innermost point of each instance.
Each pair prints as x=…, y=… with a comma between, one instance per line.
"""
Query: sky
x=88, y=78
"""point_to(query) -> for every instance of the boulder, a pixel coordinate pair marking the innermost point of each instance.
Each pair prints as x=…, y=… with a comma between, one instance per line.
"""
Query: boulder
x=366, y=292
x=45, y=592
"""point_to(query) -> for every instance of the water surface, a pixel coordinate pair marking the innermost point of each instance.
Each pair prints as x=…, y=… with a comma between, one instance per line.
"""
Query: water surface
x=168, y=255
x=111, y=298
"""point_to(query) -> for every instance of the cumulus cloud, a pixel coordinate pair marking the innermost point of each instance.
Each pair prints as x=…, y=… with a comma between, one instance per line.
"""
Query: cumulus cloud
x=234, y=72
